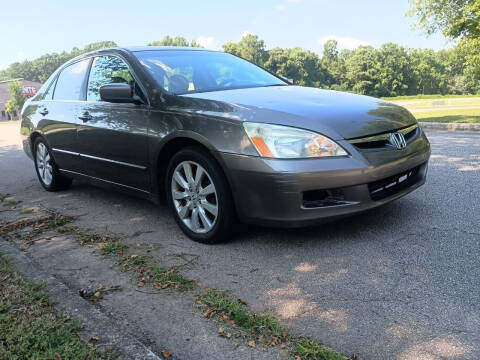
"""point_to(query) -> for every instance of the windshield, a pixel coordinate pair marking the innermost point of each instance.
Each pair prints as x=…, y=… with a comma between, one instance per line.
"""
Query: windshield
x=183, y=72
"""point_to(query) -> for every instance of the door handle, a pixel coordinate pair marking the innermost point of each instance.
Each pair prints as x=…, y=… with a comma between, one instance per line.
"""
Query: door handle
x=85, y=116
x=44, y=111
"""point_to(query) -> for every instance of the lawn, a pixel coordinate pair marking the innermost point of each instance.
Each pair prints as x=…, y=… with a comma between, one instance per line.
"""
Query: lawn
x=444, y=109
x=450, y=116
x=30, y=328
x=428, y=97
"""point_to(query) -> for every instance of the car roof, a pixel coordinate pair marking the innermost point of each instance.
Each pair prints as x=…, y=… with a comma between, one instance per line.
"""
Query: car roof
x=132, y=49
x=162, y=48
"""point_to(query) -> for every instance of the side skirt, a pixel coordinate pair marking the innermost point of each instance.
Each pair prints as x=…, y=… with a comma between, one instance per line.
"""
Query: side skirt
x=110, y=185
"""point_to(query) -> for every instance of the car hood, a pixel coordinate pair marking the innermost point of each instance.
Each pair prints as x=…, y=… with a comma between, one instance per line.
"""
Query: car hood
x=332, y=113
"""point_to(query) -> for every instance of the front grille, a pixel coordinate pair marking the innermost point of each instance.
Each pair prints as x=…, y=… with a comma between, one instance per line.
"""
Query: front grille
x=382, y=141
x=392, y=185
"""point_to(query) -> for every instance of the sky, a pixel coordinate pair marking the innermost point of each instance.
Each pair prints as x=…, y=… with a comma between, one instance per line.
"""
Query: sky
x=32, y=28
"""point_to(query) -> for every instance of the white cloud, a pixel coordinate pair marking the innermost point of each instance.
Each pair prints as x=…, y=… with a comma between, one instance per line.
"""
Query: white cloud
x=207, y=42
x=20, y=56
x=344, y=42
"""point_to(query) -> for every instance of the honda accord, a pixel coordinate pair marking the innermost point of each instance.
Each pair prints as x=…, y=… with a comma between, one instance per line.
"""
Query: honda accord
x=219, y=139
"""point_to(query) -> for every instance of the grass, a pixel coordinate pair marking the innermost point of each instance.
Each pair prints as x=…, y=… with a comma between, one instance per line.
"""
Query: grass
x=265, y=328
x=309, y=349
x=57, y=222
x=255, y=324
x=29, y=326
x=141, y=266
x=113, y=247
x=164, y=278
x=450, y=116
x=427, y=97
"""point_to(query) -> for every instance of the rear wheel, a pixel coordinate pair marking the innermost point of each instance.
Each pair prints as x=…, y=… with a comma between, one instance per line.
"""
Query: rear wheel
x=199, y=196
x=47, y=171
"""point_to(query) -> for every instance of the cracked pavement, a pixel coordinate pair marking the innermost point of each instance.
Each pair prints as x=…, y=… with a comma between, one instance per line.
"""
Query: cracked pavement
x=398, y=282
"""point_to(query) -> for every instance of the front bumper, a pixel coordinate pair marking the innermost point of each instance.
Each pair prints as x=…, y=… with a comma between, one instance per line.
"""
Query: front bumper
x=275, y=192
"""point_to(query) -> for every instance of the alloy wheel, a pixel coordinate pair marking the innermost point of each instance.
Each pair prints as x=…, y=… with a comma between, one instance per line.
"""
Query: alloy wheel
x=44, y=164
x=194, y=196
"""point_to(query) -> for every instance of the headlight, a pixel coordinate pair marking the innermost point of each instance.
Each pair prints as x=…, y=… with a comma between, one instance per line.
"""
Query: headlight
x=276, y=141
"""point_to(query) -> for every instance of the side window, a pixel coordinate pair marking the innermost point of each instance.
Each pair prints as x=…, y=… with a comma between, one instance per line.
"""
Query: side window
x=70, y=82
x=49, y=93
x=107, y=70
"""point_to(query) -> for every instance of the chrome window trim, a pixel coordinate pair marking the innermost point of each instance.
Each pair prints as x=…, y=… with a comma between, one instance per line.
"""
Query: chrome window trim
x=383, y=137
x=100, y=158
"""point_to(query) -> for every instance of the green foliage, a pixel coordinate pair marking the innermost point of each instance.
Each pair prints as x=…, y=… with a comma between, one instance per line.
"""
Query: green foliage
x=169, y=41
x=113, y=247
x=456, y=19
x=164, y=278
x=309, y=349
x=256, y=324
x=17, y=99
x=31, y=329
x=250, y=47
x=302, y=65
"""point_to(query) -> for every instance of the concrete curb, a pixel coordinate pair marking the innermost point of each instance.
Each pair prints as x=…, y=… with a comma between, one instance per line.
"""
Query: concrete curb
x=450, y=126
x=68, y=300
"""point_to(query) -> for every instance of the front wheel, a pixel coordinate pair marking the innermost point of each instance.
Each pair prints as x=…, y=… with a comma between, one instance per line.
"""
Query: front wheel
x=199, y=196
x=46, y=168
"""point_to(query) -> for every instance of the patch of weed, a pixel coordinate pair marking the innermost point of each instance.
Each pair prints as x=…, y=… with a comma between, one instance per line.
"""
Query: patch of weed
x=29, y=326
x=57, y=221
x=256, y=324
x=113, y=247
x=168, y=277
x=309, y=349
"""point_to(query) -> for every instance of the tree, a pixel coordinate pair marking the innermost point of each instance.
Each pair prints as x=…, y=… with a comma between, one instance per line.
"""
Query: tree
x=456, y=19
x=17, y=98
x=249, y=48
x=169, y=41
x=301, y=65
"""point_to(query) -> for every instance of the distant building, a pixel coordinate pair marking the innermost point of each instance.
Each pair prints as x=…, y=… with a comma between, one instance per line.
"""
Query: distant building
x=30, y=88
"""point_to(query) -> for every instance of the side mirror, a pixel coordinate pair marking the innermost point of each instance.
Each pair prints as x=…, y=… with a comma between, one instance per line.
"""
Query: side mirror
x=117, y=93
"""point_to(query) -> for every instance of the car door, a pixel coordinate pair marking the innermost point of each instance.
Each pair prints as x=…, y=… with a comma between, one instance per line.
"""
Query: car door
x=59, y=110
x=113, y=136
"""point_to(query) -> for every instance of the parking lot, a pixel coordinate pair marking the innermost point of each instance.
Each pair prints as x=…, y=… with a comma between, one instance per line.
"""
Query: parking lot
x=398, y=282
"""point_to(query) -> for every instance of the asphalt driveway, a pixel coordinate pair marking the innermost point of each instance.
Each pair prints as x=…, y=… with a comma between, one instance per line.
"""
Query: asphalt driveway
x=398, y=282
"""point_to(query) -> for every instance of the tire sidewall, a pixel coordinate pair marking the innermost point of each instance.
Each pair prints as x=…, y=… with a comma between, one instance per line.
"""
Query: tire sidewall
x=224, y=201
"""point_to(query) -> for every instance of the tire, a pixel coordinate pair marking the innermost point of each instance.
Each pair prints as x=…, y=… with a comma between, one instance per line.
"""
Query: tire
x=46, y=168
x=195, y=204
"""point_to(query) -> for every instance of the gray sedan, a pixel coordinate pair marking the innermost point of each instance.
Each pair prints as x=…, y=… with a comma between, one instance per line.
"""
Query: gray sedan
x=219, y=139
